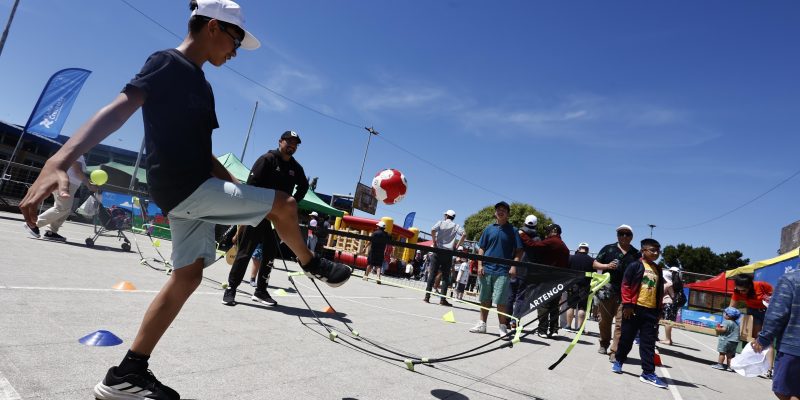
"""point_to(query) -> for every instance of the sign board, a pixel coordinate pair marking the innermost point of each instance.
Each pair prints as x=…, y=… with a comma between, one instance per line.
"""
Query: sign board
x=364, y=200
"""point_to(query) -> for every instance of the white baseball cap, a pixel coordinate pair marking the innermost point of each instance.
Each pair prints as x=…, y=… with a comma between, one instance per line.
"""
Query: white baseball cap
x=381, y=224
x=230, y=12
x=624, y=227
x=583, y=244
x=674, y=269
x=531, y=220
x=314, y=214
x=450, y=213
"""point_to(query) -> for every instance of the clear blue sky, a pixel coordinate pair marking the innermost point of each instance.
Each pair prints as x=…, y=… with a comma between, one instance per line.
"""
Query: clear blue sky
x=598, y=113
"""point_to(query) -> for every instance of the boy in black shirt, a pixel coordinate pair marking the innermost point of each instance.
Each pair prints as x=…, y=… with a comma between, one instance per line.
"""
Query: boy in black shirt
x=186, y=180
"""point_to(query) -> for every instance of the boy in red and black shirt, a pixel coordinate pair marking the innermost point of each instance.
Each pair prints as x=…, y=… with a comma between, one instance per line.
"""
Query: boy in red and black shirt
x=642, y=291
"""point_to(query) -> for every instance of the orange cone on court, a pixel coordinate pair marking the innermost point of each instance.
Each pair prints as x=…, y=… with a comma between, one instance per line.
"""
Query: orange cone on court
x=657, y=360
x=124, y=285
x=329, y=310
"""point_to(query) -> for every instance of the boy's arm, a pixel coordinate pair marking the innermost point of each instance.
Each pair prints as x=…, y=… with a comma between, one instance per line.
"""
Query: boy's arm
x=778, y=313
x=218, y=170
x=53, y=175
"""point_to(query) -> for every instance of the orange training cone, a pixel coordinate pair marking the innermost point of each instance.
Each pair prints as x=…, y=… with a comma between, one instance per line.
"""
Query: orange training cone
x=657, y=360
x=124, y=285
x=329, y=310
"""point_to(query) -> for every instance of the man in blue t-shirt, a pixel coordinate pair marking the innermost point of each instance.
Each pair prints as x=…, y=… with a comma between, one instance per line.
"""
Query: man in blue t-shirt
x=499, y=240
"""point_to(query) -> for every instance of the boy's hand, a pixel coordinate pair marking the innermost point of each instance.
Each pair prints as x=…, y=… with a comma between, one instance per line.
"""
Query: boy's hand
x=627, y=313
x=512, y=272
x=480, y=269
x=757, y=346
x=50, y=178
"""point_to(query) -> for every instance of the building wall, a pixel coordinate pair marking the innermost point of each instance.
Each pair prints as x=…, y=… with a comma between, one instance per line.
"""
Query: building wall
x=790, y=237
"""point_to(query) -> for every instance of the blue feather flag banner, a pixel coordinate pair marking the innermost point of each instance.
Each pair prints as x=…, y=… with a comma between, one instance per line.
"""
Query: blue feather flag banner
x=409, y=219
x=56, y=101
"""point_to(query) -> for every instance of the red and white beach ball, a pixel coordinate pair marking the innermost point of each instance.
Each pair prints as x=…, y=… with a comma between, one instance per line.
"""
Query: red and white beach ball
x=389, y=186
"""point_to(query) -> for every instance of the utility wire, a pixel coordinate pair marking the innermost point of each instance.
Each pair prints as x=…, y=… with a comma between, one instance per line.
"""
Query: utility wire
x=358, y=126
x=779, y=184
x=442, y=169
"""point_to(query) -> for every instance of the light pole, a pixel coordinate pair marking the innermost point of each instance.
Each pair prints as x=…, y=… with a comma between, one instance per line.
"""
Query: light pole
x=371, y=132
x=8, y=26
x=651, y=230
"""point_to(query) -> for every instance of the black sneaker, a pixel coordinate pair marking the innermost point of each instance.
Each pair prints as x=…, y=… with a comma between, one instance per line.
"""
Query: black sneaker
x=229, y=298
x=264, y=297
x=332, y=273
x=445, y=303
x=32, y=232
x=137, y=385
x=54, y=236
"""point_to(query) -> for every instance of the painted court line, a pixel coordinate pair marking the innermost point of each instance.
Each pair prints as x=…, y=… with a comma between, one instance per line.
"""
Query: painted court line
x=217, y=293
x=7, y=392
x=698, y=342
x=672, y=388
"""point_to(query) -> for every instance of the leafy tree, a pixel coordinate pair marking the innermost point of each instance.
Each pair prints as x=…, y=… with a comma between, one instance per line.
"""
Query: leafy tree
x=476, y=223
x=701, y=259
x=733, y=259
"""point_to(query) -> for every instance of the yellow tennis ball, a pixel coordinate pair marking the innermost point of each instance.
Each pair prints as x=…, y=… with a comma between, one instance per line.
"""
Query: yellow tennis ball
x=99, y=177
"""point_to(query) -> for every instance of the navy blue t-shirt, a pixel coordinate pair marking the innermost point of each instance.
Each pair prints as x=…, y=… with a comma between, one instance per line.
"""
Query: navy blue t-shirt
x=379, y=239
x=500, y=241
x=179, y=117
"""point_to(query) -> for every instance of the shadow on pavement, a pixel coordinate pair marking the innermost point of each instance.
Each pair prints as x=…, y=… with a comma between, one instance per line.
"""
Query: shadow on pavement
x=13, y=219
x=443, y=394
x=295, y=311
x=683, y=356
x=662, y=346
x=95, y=247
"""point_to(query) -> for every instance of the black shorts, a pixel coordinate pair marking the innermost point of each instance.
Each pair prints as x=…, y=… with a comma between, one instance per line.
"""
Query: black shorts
x=670, y=312
x=461, y=287
x=576, y=298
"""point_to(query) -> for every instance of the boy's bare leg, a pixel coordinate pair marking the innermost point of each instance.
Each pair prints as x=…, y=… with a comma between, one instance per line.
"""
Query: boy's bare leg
x=284, y=216
x=501, y=308
x=485, y=310
x=254, y=269
x=166, y=306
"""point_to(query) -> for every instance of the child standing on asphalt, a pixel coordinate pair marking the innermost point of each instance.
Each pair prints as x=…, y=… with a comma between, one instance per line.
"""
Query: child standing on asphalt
x=728, y=332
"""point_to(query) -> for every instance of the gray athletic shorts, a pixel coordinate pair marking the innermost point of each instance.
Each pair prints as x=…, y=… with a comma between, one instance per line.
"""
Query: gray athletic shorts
x=214, y=202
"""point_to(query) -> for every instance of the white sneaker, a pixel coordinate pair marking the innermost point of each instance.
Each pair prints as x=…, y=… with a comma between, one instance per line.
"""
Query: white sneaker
x=479, y=328
x=503, y=330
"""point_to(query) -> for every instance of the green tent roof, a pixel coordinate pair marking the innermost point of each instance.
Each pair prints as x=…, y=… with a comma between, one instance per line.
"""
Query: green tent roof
x=313, y=203
x=232, y=164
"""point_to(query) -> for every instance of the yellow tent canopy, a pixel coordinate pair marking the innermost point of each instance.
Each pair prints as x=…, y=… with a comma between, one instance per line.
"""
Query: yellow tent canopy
x=750, y=269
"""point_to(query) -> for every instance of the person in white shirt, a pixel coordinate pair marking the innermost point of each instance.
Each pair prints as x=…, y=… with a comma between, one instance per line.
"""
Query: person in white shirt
x=446, y=234
x=62, y=205
x=462, y=278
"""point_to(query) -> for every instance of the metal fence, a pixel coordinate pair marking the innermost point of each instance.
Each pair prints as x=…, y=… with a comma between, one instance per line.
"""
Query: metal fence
x=19, y=178
x=15, y=183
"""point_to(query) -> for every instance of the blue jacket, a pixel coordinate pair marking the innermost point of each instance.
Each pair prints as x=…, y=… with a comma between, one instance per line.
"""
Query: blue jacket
x=782, y=321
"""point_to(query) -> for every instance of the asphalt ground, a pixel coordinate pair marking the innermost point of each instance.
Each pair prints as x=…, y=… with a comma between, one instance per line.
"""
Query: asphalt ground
x=55, y=293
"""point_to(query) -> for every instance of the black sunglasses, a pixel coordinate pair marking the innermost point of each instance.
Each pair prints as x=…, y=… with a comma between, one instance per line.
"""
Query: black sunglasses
x=625, y=234
x=236, y=41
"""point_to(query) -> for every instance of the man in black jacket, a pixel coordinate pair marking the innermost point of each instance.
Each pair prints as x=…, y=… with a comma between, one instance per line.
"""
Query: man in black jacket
x=276, y=169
